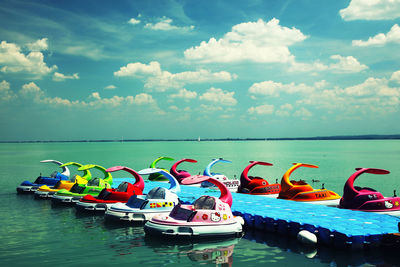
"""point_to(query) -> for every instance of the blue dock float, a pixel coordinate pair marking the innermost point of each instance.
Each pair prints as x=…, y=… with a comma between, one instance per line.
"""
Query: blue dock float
x=335, y=227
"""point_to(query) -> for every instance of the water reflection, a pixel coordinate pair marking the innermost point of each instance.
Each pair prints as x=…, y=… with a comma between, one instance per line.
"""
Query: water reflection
x=217, y=251
x=330, y=256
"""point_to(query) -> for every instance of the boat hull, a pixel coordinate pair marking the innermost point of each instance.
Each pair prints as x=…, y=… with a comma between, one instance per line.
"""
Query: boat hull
x=193, y=231
x=57, y=199
x=92, y=207
x=138, y=216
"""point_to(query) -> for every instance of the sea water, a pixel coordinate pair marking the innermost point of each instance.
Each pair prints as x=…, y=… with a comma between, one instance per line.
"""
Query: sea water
x=33, y=232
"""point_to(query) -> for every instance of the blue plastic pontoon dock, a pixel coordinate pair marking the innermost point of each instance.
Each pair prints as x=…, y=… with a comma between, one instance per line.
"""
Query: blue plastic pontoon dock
x=334, y=227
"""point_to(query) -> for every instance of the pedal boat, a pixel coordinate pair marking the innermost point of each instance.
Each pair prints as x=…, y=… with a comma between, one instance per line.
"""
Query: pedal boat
x=109, y=197
x=256, y=185
x=368, y=199
x=141, y=208
x=157, y=177
x=207, y=217
x=51, y=181
x=93, y=187
x=180, y=174
x=231, y=184
x=303, y=192
x=47, y=192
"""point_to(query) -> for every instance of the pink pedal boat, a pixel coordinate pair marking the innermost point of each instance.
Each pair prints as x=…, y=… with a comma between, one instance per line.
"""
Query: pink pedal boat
x=180, y=174
x=207, y=217
x=368, y=199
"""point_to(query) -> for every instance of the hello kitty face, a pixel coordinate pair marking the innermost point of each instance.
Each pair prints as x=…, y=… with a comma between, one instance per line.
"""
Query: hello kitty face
x=215, y=217
x=388, y=204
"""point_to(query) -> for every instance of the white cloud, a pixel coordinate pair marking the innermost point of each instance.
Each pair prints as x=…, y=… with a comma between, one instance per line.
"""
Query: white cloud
x=219, y=96
x=110, y=87
x=13, y=60
x=393, y=36
x=134, y=21
x=174, y=108
x=284, y=110
x=159, y=80
x=253, y=41
x=165, y=24
x=271, y=88
x=6, y=94
x=302, y=112
x=395, y=76
x=262, y=110
x=372, y=95
x=142, y=99
x=184, y=94
x=139, y=70
x=39, y=45
x=371, y=10
x=372, y=87
x=31, y=90
x=59, y=77
x=210, y=108
x=347, y=64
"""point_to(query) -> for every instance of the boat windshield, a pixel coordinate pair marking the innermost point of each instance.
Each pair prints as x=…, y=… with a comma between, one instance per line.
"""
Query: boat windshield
x=136, y=203
x=204, y=203
x=77, y=189
x=73, y=179
x=156, y=193
x=123, y=187
x=54, y=174
x=94, y=182
x=179, y=213
x=38, y=180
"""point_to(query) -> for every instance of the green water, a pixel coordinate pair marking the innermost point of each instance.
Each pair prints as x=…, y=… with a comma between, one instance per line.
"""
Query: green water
x=34, y=233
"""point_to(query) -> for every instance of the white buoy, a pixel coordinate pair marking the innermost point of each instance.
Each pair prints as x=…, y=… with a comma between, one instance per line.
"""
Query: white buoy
x=307, y=238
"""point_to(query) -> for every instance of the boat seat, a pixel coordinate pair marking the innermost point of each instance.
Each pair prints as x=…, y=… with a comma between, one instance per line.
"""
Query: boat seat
x=57, y=185
x=104, y=194
x=364, y=189
x=156, y=193
x=204, y=203
x=123, y=187
x=94, y=182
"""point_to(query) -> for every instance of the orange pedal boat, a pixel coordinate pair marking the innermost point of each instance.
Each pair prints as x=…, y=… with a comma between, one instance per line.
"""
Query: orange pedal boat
x=301, y=191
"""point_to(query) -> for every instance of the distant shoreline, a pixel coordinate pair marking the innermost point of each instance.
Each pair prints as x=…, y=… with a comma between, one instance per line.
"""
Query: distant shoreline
x=342, y=137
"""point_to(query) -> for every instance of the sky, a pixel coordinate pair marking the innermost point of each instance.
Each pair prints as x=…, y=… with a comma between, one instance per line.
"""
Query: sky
x=78, y=70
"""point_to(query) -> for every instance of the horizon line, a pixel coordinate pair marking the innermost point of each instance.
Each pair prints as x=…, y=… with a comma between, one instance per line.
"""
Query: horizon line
x=335, y=137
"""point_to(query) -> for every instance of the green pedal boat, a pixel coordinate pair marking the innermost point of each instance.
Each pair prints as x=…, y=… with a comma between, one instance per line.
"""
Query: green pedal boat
x=93, y=187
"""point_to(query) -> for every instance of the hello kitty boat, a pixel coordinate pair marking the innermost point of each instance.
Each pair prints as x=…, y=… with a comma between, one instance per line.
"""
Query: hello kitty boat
x=231, y=184
x=368, y=199
x=180, y=174
x=207, y=217
x=141, y=208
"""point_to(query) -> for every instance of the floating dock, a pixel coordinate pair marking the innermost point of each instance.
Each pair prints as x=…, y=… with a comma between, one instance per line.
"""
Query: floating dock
x=335, y=227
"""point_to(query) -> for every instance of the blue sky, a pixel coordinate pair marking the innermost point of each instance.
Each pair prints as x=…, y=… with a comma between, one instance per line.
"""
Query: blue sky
x=74, y=70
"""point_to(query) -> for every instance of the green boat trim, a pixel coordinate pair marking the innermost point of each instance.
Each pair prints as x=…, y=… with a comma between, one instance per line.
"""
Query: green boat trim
x=157, y=176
